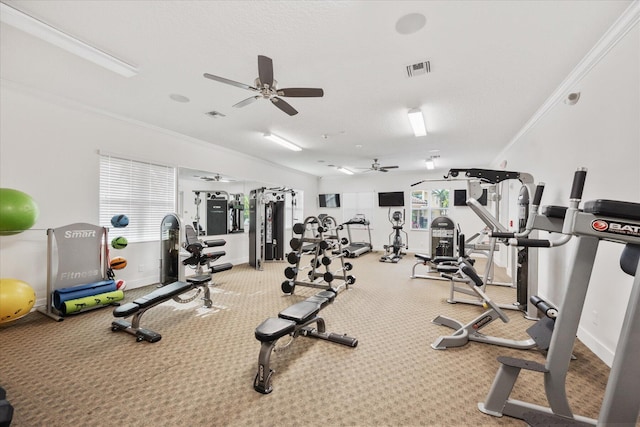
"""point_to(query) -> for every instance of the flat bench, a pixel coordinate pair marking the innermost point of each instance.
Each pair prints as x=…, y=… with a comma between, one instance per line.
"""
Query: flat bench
x=171, y=291
x=294, y=321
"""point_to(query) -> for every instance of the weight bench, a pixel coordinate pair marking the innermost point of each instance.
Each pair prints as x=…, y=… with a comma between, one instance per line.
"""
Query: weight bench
x=171, y=291
x=294, y=321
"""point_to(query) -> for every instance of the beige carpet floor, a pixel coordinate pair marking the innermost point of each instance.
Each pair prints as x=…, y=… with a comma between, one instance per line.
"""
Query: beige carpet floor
x=79, y=373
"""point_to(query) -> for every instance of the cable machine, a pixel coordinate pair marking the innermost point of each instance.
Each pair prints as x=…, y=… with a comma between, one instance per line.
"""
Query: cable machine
x=267, y=216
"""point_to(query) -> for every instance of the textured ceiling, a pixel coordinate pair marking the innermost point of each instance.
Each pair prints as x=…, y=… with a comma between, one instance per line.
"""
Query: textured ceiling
x=493, y=63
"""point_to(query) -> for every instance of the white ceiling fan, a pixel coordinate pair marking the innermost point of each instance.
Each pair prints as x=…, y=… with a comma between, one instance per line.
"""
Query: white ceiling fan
x=375, y=166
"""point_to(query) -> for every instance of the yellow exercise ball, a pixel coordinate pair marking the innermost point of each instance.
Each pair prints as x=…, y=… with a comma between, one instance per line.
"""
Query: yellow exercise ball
x=16, y=299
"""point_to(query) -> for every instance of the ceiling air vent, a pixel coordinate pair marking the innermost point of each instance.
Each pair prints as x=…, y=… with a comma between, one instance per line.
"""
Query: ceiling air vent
x=418, y=69
x=215, y=114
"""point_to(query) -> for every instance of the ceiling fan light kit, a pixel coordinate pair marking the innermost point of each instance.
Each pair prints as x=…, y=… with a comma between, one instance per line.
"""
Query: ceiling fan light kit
x=417, y=122
x=266, y=87
x=281, y=141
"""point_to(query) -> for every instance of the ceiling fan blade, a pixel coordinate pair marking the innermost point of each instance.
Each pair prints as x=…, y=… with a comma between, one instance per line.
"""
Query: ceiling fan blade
x=265, y=70
x=284, y=106
x=388, y=167
x=229, y=82
x=382, y=170
x=301, y=92
x=246, y=102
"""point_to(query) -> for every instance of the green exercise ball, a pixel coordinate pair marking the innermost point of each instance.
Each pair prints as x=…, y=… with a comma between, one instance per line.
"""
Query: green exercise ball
x=18, y=211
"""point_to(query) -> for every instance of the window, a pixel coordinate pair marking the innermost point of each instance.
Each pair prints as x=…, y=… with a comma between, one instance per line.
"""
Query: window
x=145, y=192
x=426, y=205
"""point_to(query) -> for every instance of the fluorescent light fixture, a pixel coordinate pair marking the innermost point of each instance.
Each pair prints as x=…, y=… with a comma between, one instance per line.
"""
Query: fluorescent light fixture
x=417, y=122
x=345, y=170
x=44, y=31
x=282, y=141
x=431, y=165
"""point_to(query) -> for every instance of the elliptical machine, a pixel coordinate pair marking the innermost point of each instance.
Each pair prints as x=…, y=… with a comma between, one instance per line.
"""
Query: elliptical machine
x=394, y=248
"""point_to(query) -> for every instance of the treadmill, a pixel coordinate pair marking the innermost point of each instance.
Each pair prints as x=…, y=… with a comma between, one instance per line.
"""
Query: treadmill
x=355, y=249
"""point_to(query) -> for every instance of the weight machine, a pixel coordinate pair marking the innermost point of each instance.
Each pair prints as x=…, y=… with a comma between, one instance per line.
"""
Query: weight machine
x=267, y=212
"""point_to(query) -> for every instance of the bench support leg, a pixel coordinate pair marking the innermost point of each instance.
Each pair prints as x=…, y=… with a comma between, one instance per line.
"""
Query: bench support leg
x=500, y=390
x=262, y=381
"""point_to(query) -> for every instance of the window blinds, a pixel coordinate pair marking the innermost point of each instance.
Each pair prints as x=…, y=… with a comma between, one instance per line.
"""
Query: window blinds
x=145, y=192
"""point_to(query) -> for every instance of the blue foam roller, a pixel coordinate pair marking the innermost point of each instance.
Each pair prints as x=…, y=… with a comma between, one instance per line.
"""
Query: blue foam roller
x=82, y=291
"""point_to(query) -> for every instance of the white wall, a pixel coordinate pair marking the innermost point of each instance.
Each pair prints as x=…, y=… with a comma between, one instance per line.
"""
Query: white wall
x=397, y=181
x=49, y=149
x=602, y=133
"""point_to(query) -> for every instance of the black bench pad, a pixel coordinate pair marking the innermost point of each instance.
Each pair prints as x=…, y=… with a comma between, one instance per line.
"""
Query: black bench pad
x=300, y=312
x=163, y=294
x=613, y=208
x=273, y=328
x=199, y=280
x=553, y=211
x=423, y=257
x=214, y=255
x=447, y=268
x=125, y=310
x=221, y=267
x=215, y=242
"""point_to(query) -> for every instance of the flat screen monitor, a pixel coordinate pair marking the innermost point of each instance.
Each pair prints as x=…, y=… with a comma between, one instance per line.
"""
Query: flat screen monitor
x=393, y=198
x=329, y=200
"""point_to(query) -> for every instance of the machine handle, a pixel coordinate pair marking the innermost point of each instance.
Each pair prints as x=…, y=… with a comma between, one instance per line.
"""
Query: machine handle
x=538, y=194
x=579, y=178
x=531, y=243
x=501, y=235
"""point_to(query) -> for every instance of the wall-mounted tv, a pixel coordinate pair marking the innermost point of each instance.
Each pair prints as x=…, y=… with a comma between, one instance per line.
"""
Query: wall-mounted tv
x=329, y=200
x=460, y=197
x=393, y=198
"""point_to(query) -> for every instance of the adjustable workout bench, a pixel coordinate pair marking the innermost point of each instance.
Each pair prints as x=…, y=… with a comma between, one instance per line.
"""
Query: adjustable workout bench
x=293, y=320
x=173, y=290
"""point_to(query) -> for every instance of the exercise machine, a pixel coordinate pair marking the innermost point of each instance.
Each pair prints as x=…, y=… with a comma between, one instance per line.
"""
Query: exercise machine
x=355, y=249
x=182, y=290
x=294, y=321
x=471, y=331
x=394, y=250
x=267, y=208
x=598, y=220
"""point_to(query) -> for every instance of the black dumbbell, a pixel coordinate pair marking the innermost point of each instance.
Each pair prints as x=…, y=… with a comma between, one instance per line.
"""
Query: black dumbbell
x=287, y=287
x=299, y=228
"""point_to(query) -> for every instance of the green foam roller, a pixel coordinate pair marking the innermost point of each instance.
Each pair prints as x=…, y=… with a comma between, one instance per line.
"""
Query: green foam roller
x=76, y=305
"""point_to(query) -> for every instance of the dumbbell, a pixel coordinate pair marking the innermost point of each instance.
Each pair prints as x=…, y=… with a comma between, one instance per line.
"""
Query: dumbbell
x=325, y=229
x=295, y=244
x=326, y=260
x=293, y=257
x=288, y=286
x=299, y=228
x=292, y=272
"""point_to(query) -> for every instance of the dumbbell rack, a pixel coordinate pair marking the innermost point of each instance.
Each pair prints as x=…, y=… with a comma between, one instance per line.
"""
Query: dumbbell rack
x=326, y=240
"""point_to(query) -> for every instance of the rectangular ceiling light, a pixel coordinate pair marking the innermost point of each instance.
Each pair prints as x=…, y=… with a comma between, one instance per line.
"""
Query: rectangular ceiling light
x=417, y=122
x=431, y=164
x=44, y=31
x=282, y=141
x=345, y=170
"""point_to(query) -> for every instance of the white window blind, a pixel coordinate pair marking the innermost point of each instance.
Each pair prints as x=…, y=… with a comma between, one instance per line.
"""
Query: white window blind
x=145, y=192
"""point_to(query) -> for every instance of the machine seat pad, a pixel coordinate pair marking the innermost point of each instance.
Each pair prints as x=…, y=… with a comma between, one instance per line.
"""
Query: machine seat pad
x=554, y=211
x=300, y=312
x=199, y=280
x=221, y=267
x=125, y=310
x=441, y=259
x=423, y=257
x=216, y=242
x=273, y=328
x=162, y=294
x=214, y=255
x=613, y=208
x=447, y=268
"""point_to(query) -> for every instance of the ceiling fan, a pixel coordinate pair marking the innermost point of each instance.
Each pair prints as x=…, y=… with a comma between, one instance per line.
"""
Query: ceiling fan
x=375, y=166
x=266, y=87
